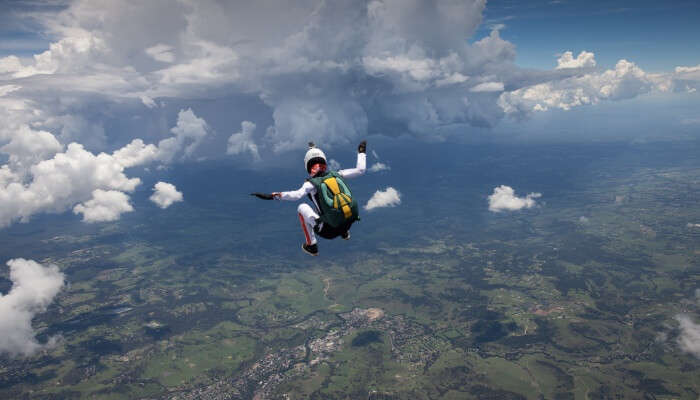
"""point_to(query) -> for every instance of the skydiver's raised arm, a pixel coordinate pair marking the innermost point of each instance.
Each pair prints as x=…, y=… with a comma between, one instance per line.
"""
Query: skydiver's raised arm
x=361, y=165
x=294, y=195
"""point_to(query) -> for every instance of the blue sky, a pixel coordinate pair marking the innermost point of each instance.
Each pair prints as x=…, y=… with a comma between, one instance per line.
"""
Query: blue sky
x=20, y=33
x=657, y=35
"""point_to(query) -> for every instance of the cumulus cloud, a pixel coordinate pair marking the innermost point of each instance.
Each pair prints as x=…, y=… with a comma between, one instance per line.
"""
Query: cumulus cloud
x=34, y=287
x=105, y=205
x=584, y=59
x=627, y=80
x=28, y=146
x=389, y=197
x=10, y=64
x=504, y=199
x=94, y=185
x=59, y=182
x=323, y=69
x=378, y=166
x=165, y=194
x=689, y=339
x=188, y=135
x=243, y=141
x=136, y=153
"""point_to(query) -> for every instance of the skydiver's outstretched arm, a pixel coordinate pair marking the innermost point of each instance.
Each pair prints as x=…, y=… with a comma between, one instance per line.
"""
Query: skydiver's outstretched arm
x=294, y=195
x=361, y=163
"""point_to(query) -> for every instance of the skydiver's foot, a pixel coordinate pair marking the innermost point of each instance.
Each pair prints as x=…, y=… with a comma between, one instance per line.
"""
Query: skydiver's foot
x=345, y=235
x=311, y=249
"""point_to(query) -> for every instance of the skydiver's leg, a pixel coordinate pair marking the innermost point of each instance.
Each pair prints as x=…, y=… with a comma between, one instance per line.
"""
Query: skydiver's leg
x=307, y=217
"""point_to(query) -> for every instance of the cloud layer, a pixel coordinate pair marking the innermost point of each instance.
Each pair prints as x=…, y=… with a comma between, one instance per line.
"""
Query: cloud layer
x=34, y=287
x=327, y=70
x=504, y=199
x=389, y=197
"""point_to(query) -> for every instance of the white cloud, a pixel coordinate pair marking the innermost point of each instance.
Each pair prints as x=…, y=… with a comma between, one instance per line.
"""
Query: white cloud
x=504, y=199
x=243, y=141
x=627, y=80
x=161, y=52
x=378, y=166
x=105, y=205
x=189, y=133
x=43, y=177
x=390, y=197
x=56, y=184
x=165, y=194
x=136, y=153
x=7, y=89
x=584, y=59
x=28, y=146
x=34, y=287
x=68, y=55
x=333, y=165
x=583, y=220
x=488, y=87
x=689, y=338
x=10, y=64
x=688, y=72
x=148, y=101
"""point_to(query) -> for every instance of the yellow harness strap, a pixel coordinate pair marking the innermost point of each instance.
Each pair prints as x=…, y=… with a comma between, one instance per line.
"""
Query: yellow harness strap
x=344, y=199
x=332, y=185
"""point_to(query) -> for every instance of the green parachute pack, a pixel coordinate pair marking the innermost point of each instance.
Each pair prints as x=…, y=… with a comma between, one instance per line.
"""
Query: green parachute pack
x=334, y=198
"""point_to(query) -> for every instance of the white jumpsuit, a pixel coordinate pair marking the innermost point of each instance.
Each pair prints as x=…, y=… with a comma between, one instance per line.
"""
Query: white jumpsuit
x=307, y=215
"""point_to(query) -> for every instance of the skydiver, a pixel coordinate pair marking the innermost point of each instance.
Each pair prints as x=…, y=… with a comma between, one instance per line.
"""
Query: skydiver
x=335, y=208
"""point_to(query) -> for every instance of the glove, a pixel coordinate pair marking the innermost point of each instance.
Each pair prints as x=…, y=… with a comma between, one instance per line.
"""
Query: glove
x=263, y=196
x=362, y=147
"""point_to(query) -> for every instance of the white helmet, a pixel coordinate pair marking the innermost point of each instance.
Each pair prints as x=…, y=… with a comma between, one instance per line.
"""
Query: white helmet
x=313, y=154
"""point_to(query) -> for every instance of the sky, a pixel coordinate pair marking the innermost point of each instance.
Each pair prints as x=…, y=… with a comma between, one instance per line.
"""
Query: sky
x=656, y=35
x=92, y=92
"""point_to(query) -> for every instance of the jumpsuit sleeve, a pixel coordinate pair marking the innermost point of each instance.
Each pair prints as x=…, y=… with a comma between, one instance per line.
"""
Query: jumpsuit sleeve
x=293, y=195
x=359, y=168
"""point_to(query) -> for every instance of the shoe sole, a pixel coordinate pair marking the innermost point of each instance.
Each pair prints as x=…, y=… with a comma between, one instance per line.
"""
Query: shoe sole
x=308, y=252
